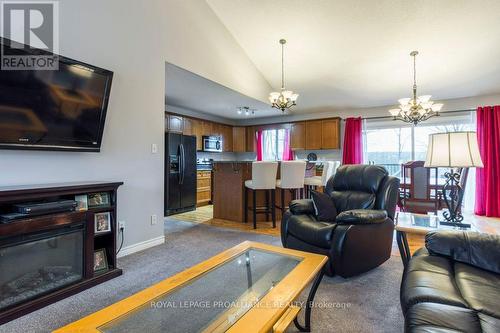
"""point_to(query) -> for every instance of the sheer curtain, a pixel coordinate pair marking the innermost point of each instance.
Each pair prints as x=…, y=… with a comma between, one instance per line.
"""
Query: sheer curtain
x=269, y=145
x=276, y=145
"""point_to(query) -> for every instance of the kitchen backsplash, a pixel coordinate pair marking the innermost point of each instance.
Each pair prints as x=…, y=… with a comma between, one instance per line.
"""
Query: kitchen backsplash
x=322, y=155
x=225, y=156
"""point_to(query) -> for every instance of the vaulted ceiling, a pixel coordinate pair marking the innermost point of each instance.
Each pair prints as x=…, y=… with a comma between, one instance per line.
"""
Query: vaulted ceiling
x=355, y=53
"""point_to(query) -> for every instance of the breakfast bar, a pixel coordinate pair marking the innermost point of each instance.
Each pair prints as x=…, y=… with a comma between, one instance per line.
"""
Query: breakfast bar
x=229, y=191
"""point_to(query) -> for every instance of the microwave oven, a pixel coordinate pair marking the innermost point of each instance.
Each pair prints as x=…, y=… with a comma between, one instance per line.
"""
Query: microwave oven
x=212, y=144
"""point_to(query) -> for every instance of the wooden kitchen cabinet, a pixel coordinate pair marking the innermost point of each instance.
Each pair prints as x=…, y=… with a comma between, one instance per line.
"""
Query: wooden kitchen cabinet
x=239, y=139
x=313, y=134
x=188, y=126
x=203, y=187
x=330, y=133
x=250, y=139
x=197, y=130
x=227, y=138
x=298, y=135
x=174, y=123
x=207, y=128
x=217, y=129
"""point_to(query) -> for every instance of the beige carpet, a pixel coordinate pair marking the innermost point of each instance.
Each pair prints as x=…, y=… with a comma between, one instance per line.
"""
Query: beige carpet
x=367, y=303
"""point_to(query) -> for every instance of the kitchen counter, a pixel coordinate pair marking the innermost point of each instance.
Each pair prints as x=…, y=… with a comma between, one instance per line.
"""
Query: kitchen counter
x=229, y=191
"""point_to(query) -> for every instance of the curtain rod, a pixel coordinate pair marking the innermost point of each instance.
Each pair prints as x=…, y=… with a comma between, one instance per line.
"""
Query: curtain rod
x=390, y=117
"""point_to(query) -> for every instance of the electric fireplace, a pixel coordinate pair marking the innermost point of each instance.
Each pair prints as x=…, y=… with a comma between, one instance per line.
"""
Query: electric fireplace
x=36, y=264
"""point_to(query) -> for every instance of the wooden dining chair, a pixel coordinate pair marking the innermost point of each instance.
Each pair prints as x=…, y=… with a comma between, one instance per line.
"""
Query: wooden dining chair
x=419, y=191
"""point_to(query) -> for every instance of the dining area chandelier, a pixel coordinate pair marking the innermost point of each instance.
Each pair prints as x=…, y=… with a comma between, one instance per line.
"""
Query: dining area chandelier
x=415, y=109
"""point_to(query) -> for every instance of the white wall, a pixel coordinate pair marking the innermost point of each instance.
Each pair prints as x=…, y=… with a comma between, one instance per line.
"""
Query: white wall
x=382, y=111
x=198, y=41
x=124, y=39
x=134, y=39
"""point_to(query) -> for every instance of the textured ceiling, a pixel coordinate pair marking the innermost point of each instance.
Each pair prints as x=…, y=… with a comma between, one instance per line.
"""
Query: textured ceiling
x=353, y=53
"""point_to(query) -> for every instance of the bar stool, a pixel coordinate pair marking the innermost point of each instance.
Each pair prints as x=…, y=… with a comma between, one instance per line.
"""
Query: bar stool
x=263, y=178
x=329, y=169
x=292, y=178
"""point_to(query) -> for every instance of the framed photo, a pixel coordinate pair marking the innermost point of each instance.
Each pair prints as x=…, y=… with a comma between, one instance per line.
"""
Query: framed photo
x=100, y=260
x=102, y=222
x=81, y=203
x=98, y=199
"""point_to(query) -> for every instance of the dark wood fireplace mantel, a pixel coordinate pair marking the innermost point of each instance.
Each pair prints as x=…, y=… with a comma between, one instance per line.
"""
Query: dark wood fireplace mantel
x=33, y=225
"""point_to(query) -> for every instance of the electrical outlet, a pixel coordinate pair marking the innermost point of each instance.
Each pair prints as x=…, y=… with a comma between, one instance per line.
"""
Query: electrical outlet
x=121, y=224
x=154, y=219
x=154, y=148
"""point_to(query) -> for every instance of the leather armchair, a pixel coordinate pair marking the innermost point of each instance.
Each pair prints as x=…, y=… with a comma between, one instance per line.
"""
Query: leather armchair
x=360, y=238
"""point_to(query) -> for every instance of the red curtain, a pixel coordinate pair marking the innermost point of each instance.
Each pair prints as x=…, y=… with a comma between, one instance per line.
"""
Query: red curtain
x=352, y=153
x=259, y=145
x=488, y=178
x=287, y=150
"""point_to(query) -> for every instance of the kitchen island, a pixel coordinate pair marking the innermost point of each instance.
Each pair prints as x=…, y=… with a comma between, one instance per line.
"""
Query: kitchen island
x=229, y=192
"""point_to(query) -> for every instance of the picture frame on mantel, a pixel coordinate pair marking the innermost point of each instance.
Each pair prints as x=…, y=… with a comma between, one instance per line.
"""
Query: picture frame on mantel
x=97, y=200
x=102, y=223
x=82, y=204
x=100, y=261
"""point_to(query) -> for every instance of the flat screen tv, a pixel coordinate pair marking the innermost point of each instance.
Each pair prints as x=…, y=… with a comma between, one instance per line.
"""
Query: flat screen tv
x=63, y=109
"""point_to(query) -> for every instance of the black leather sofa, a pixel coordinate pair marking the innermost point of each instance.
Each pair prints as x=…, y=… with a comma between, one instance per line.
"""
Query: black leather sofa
x=453, y=284
x=360, y=238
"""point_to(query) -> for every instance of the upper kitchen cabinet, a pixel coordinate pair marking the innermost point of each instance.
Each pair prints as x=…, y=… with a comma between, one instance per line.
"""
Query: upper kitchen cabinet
x=188, y=126
x=174, y=123
x=250, y=139
x=239, y=139
x=227, y=137
x=298, y=135
x=330, y=133
x=217, y=130
x=207, y=128
x=313, y=134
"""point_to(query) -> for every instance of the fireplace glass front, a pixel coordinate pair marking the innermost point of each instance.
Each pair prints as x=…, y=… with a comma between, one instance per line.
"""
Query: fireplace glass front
x=36, y=264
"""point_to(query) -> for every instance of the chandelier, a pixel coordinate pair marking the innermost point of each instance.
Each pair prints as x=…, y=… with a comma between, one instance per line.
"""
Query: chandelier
x=416, y=109
x=284, y=99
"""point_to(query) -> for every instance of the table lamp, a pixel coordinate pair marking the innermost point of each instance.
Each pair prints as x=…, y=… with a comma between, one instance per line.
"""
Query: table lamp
x=453, y=150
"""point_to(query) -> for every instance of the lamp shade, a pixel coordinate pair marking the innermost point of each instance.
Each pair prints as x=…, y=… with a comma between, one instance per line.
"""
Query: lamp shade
x=453, y=150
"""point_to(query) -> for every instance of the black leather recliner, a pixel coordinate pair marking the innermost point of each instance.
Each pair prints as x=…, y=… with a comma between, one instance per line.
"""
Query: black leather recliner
x=453, y=284
x=360, y=238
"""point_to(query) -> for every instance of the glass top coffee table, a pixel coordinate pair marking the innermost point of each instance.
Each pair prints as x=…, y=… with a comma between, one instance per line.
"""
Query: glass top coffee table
x=411, y=229
x=248, y=288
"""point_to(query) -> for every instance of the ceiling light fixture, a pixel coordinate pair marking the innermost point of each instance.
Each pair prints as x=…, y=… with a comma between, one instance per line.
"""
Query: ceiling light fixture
x=417, y=109
x=284, y=99
x=246, y=110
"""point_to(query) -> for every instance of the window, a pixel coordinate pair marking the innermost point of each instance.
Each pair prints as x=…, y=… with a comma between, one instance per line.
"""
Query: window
x=273, y=144
x=390, y=143
x=389, y=147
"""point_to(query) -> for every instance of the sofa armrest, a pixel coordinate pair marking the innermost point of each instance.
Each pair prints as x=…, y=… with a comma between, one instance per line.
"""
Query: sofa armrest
x=361, y=216
x=473, y=248
x=303, y=206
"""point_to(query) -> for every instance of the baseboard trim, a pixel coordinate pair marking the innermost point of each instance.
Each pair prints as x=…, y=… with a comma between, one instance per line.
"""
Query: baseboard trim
x=141, y=246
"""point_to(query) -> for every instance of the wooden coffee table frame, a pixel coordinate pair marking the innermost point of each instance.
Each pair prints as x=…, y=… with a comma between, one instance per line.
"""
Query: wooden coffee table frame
x=257, y=319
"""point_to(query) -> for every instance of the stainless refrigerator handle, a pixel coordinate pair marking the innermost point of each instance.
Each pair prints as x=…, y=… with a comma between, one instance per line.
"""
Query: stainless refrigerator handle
x=183, y=164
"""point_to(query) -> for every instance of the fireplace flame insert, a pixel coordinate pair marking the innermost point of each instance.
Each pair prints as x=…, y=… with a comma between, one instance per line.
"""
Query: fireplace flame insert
x=39, y=263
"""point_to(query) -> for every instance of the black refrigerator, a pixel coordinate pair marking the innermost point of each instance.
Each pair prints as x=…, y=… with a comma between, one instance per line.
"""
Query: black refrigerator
x=180, y=173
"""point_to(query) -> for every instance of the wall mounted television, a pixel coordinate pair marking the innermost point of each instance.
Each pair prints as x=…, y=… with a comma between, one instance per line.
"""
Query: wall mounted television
x=63, y=109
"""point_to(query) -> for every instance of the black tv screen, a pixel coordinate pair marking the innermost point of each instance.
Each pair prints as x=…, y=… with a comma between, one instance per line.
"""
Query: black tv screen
x=63, y=109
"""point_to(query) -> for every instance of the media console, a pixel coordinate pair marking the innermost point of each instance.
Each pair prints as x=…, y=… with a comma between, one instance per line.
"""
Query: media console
x=47, y=257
